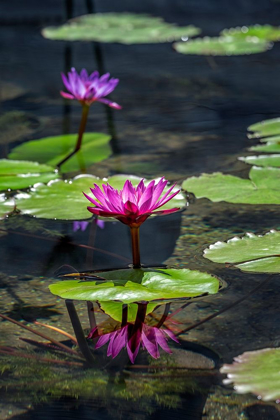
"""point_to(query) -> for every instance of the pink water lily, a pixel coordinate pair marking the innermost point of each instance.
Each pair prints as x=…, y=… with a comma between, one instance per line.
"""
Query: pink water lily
x=89, y=88
x=131, y=337
x=131, y=205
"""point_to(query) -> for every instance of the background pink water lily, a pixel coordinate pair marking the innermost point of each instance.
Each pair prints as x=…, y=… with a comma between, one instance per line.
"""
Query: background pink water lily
x=131, y=205
x=89, y=88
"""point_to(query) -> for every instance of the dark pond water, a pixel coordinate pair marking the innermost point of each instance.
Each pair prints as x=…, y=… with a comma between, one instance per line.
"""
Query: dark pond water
x=181, y=116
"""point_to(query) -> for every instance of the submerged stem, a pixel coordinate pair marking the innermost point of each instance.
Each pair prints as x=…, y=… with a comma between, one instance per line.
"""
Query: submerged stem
x=135, y=246
x=82, y=128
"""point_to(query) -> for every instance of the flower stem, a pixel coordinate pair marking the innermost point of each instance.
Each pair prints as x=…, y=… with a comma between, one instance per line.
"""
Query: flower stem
x=82, y=128
x=135, y=246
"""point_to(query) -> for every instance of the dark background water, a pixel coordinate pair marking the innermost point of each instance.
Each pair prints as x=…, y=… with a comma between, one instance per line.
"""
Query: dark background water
x=182, y=115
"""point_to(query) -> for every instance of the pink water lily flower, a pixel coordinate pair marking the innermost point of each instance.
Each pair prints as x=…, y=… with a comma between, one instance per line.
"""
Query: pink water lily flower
x=151, y=338
x=89, y=88
x=131, y=205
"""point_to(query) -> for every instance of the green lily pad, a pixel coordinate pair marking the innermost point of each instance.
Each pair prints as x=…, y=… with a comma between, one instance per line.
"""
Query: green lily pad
x=266, y=128
x=125, y=28
x=114, y=310
x=262, y=160
x=253, y=253
x=221, y=46
x=15, y=174
x=136, y=285
x=256, y=372
x=6, y=206
x=263, y=32
x=269, y=147
x=51, y=150
x=65, y=200
x=263, y=187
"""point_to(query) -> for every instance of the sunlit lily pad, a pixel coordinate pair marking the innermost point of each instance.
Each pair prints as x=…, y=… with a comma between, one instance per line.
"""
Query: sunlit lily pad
x=264, y=32
x=269, y=147
x=221, y=46
x=65, y=200
x=254, y=253
x=6, y=206
x=16, y=174
x=263, y=187
x=262, y=160
x=114, y=310
x=135, y=285
x=267, y=129
x=125, y=28
x=51, y=150
x=256, y=372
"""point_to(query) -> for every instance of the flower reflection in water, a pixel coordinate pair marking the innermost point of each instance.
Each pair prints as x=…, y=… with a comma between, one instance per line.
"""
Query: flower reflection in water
x=132, y=336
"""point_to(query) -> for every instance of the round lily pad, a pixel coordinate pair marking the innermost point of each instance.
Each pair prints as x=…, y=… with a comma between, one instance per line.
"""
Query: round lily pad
x=51, y=150
x=15, y=174
x=262, y=160
x=255, y=253
x=136, y=285
x=125, y=28
x=264, y=32
x=266, y=128
x=256, y=372
x=262, y=187
x=6, y=206
x=221, y=46
x=65, y=200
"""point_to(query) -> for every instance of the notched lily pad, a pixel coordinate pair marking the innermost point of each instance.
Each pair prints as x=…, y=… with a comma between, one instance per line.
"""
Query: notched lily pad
x=254, y=253
x=228, y=45
x=51, y=150
x=262, y=160
x=125, y=28
x=263, y=32
x=136, y=285
x=256, y=372
x=263, y=187
x=15, y=174
x=65, y=200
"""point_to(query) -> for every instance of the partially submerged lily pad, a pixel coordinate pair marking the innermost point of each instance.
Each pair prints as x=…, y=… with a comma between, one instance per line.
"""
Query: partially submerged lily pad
x=125, y=28
x=6, y=206
x=255, y=253
x=221, y=46
x=266, y=130
x=136, y=285
x=15, y=174
x=65, y=200
x=263, y=32
x=51, y=150
x=263, y=187
x=262, y=160
x=256, y=372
